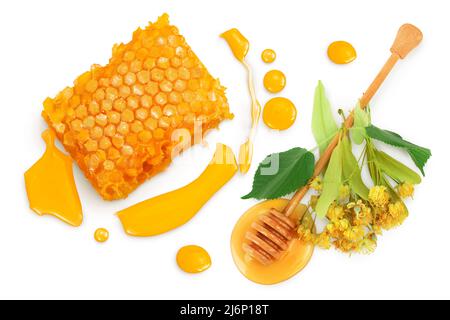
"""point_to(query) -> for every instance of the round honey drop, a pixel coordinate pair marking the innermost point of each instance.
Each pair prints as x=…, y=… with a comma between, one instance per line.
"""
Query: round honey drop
x=101, y=235
x=341, y=52
x=193, y=259
x=275, y=81
x=268, y=56
x=279, y=114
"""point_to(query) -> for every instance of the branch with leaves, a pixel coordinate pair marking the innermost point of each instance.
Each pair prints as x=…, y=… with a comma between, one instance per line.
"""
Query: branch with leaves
x=355, y=214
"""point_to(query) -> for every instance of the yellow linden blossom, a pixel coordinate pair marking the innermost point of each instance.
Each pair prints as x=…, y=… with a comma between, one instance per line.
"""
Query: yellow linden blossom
x=354, y=233
x=393, y=217
x=354, y=224
x=405, y=190
x=344, y=192
x=324, y=240
x=367, y=246
x=333, y=230
x=362, y=213
x=398, y=211
x=343, y=225
x=377, y=230
x=316, y=184
x=379, y=196
x=306, y=234
x=345, y=245
x=335, y=213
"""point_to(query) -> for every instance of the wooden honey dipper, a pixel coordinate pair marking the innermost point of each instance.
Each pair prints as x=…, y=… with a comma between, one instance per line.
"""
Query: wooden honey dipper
x=271, y=235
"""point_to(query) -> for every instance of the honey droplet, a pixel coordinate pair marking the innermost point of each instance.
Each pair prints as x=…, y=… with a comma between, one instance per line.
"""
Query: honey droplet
x=279, y=114
x=101, y=235
x=341, y=52
x=268, y=56
x=193, y=259
x=275, y=81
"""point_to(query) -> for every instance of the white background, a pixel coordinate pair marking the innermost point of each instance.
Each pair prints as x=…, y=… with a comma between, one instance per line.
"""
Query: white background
x=46, y=44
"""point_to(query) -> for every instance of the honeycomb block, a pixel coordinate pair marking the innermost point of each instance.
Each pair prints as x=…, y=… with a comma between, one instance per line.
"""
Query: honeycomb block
x=118, y=121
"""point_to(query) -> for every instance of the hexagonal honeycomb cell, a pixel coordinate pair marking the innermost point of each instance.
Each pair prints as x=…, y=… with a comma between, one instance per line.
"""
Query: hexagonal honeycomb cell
x=117, y=121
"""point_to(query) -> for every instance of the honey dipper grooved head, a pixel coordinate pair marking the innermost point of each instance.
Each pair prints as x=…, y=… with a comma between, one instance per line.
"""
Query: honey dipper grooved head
x=269, y=237
x=263, y=255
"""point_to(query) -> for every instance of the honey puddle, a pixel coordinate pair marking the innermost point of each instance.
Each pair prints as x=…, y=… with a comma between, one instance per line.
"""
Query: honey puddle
x=295, y=258
x=51, y=186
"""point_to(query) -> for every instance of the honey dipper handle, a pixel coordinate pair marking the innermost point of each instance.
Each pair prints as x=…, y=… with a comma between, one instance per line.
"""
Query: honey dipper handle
x=408, y=38
x=376, y=84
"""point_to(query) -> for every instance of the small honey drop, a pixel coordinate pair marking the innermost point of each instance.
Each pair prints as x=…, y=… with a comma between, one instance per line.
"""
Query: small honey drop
x=101, y=235
x=275, y=81
x=193, y=259
x=341, y=52
x=268, y=56
x=279, y=114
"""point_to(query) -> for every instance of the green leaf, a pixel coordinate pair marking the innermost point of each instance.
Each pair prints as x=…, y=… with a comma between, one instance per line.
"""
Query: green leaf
x=362, y=120
x=324, y=126
x=395, y=169
x=352, y=171
x=332, y=181
x=282, y=173
x=418, y=154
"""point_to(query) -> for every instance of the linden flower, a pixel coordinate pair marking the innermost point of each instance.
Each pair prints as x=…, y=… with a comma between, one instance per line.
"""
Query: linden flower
x=405, y=190
x=324, y=241
x=354, y=233
x=363, y=213
x=333, y=230
x=398, y=211
x=345, y=245
x=393, y=217
x=377, y=230
x=367, y=246
x=343, y=225
x=316, y=184
x=306, y=235
x=335, y=213
x=385, y=221
x=379, y=196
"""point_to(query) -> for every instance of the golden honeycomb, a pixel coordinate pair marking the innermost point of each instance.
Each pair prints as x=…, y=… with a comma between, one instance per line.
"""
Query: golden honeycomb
x=117, y=120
